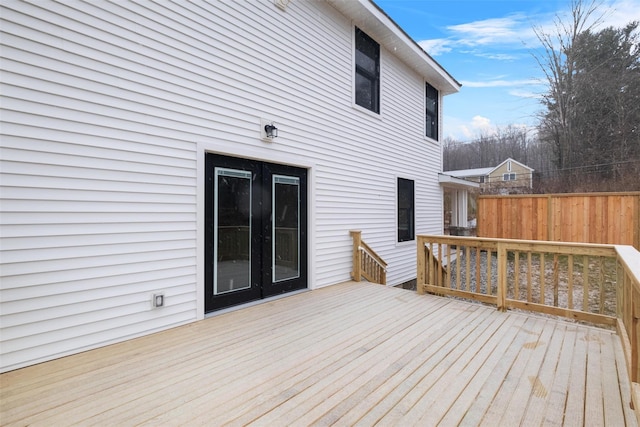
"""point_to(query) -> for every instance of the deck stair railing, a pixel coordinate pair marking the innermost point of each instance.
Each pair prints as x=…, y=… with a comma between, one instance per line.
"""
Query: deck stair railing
x=367, y=263
x=438, y=272
x=586, y=282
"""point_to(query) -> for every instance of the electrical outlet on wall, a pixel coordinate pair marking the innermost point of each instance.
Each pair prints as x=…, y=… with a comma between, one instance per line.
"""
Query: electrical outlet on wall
x=157, y=300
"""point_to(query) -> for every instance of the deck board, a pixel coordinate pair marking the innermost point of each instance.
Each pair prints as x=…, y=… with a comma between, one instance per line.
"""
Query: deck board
x=350, y=354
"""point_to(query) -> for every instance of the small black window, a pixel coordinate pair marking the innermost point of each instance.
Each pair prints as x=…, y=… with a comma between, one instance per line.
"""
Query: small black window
x=406, y=210
x=367, y=72
x=431, y=112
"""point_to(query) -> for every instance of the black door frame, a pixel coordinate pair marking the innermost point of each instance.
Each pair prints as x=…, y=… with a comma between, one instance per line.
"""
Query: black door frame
x=262, y=285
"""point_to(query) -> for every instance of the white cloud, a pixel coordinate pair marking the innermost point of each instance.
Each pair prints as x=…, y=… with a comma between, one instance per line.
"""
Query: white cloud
x=499, y=83
x=508, y=33
x=481, y=123
x=499, y=56
x=464, y=130
x=622, y=12
x=516, y=31
x=487, y=31
x=436, y=47
x=508, y=43
x=519, y=93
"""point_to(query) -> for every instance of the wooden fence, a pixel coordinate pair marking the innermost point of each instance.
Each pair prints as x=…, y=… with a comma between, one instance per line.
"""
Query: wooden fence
x=607, y=218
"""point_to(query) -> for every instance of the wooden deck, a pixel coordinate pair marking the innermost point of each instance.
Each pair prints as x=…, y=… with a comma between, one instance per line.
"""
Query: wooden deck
x=351, y=354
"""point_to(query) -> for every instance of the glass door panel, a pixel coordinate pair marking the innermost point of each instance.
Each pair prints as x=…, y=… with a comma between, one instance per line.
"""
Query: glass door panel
x=255, y=228
x=285, y=227
x=232, y=222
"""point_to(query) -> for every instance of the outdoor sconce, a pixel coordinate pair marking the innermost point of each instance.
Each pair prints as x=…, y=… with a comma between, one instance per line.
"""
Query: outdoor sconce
x=282, y=4
x=271, y=131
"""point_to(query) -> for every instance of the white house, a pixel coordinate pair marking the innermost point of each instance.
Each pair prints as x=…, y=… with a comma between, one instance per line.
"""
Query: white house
x=136, y=166
x=509, y=176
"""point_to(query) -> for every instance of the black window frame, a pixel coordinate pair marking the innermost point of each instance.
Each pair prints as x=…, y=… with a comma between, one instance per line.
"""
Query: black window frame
x=431, y=100
x=406, y=210
x=369, y=48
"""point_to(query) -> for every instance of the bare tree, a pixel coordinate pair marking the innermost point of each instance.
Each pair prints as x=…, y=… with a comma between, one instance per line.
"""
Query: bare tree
x=488, y=150
x=558, y=62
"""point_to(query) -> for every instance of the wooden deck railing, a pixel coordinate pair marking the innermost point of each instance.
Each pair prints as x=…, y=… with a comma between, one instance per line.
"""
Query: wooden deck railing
x=366, y=262
x=586, y=282
x=628, y=314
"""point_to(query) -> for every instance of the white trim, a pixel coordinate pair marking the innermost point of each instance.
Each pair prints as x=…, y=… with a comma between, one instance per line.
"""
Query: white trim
x=265, y=154
x=374, y=21
x=509, y=159
x=449, y=181
x=311, y=227
x=200, y=227
x=253, y=303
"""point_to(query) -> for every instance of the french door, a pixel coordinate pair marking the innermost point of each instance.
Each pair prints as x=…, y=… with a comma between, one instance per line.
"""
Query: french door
x=256, y=230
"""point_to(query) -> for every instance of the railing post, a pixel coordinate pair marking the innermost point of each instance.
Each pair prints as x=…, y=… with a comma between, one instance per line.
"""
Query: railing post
x=502, y=277
x=357, y=256
x=635, y=339
x=620, y=295
x=420, y=265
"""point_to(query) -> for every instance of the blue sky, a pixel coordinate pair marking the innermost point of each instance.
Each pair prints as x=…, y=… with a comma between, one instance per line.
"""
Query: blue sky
x=486, y=45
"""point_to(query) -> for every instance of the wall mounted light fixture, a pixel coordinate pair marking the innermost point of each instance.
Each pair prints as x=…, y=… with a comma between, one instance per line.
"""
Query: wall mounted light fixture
x=271, y=130
x=282, y=4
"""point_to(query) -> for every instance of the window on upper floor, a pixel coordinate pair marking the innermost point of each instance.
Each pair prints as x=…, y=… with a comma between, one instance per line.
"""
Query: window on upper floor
x=508, y=176
x=431, y=107
x=367, y=81
x=406, y=210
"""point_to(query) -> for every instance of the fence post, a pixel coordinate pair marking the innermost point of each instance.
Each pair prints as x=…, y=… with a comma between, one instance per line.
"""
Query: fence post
x=357, y=261
x=420, y=279
x=636, y=216
x=550, y=218
x=502, y=277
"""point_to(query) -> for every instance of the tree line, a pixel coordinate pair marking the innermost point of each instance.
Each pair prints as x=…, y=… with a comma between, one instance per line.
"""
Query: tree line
x=588, y=134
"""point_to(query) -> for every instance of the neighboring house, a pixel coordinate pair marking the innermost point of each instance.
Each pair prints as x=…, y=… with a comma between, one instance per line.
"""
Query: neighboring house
x=508, y=177
x=137, y=169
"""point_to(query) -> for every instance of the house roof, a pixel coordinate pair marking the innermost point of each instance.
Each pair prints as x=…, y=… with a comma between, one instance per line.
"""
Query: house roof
x=467, y=173
x=453, y=182
x=376, y=23
x=514, y=161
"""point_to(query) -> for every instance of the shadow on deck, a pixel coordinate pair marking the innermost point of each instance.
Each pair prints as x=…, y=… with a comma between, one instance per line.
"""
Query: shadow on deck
x=353, y=353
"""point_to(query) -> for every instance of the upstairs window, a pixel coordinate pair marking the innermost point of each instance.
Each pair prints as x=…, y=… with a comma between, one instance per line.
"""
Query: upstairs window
x=509, y=177
x=431, y=112
x=406, y=210
x=367, y=72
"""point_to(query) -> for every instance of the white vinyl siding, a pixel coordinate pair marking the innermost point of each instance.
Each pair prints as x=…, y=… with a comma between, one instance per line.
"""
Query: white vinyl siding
x=107, y=107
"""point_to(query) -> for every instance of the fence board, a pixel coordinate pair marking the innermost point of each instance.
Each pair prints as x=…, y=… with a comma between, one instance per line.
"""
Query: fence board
x=608, y=218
